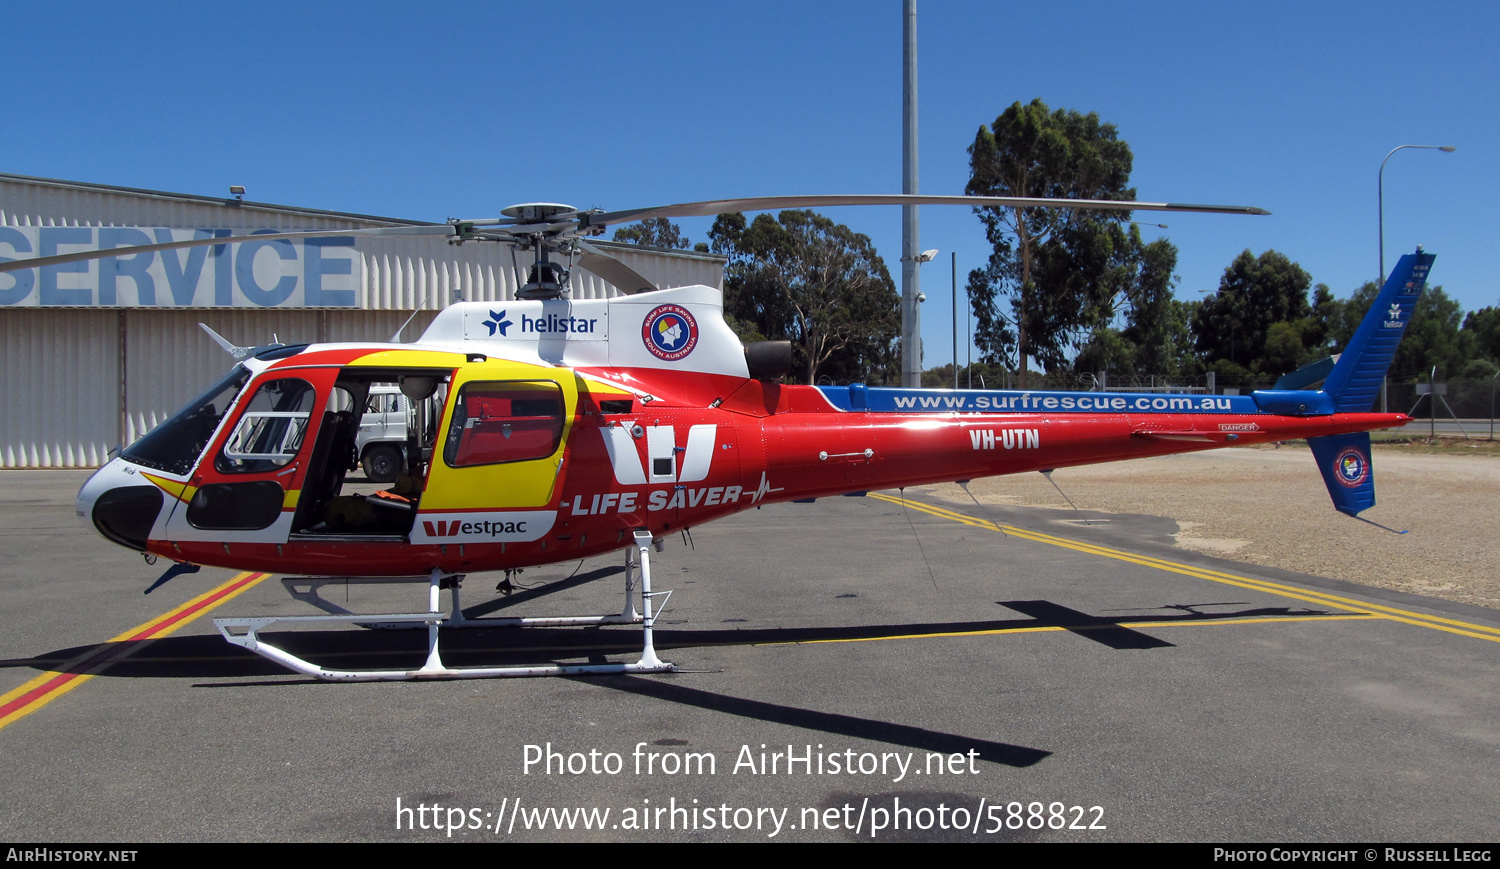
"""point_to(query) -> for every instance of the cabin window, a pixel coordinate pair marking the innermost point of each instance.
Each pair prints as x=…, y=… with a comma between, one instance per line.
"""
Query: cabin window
x=242, y=506
x=504, y=421
x=270, y=431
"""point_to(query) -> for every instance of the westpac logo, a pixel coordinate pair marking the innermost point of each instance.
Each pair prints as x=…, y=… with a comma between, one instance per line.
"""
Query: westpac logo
x=442, y=529
x=662, y=460
x=497, y=527
x=458, y=526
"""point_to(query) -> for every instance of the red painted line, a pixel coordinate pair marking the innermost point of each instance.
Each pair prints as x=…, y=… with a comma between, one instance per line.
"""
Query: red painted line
x=37, y=693
x=193, y=610
x=107, y=653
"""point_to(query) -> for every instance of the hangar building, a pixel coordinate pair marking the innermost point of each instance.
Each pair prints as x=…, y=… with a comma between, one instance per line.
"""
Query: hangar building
x=94, y=354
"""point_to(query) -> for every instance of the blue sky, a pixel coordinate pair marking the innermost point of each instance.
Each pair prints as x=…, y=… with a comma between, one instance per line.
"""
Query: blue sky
x=427, y=111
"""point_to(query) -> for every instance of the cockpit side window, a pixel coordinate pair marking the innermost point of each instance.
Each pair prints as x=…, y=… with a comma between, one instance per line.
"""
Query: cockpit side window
x=504, y=421
x=175, y=445
x=270, y=432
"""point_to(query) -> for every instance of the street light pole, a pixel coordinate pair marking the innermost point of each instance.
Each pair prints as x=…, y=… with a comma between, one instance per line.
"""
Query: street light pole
x=1380, y=194
x=911, y=287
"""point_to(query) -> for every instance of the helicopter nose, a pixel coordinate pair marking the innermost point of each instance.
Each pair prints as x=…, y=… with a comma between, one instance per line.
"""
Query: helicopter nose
x=121, y=505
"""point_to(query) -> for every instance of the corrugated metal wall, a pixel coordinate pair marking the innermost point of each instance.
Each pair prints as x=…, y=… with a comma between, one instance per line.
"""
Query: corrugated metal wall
x=58, y=387
x=64, y=402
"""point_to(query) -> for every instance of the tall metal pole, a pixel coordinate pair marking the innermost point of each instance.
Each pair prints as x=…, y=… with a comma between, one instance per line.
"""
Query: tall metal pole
x=955, y=319
x=911, y=325
x=1380, y=194
x=1432, y=404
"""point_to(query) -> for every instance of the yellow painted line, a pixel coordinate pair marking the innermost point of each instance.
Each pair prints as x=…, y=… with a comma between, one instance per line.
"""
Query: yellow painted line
x=1454, y=626
x=1324, y=598
x=38, y=692
x=1106, y=627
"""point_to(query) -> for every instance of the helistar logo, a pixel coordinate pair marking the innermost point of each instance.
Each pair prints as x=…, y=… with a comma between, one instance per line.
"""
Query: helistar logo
x=497, y=321
x=552, y=323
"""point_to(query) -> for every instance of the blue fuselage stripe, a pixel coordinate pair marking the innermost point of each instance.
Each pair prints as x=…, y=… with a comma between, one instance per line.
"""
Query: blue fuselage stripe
x=892, y=400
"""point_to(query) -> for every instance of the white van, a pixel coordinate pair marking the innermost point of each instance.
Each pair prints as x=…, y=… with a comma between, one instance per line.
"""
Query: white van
x=383, y=432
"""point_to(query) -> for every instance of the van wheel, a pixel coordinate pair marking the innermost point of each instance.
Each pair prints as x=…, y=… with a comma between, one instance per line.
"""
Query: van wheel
x=382, y=463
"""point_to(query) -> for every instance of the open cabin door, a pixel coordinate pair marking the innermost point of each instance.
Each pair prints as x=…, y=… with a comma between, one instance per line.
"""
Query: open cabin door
x=335, y=508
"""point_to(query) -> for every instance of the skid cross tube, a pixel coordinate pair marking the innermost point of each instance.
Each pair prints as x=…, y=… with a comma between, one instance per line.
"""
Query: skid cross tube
x=244, y=632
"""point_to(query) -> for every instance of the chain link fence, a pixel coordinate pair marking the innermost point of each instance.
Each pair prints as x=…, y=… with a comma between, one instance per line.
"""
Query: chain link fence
x=1466, y=398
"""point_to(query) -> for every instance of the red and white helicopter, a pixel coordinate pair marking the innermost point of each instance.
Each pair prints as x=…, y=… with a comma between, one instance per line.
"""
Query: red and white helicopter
x=551, y=429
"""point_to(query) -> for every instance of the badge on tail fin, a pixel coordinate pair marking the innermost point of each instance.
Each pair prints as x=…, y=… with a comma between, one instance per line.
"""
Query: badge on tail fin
x=1344, y=461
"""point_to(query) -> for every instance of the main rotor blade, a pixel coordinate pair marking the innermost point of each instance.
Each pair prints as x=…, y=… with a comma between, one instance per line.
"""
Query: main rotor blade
x=443, y=229
x=771, y=203
x=559, y=228
x=627, y=279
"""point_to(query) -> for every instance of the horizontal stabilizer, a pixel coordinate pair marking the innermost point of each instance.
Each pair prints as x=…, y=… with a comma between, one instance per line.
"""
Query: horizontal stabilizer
x=1308, y=376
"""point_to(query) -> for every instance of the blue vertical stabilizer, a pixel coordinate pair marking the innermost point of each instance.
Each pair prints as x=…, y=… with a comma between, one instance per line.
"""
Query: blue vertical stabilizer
x=1355, y=380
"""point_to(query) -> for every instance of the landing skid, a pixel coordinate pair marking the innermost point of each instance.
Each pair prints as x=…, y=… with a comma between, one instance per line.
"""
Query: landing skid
x=245, y=631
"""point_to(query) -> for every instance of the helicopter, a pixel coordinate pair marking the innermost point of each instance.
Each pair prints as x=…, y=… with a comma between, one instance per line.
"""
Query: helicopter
x=546, y=429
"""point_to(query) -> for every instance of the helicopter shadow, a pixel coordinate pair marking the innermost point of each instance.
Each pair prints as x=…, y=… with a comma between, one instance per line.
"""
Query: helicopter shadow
x=525, y=594
x=209, y=657
x=832, y=723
